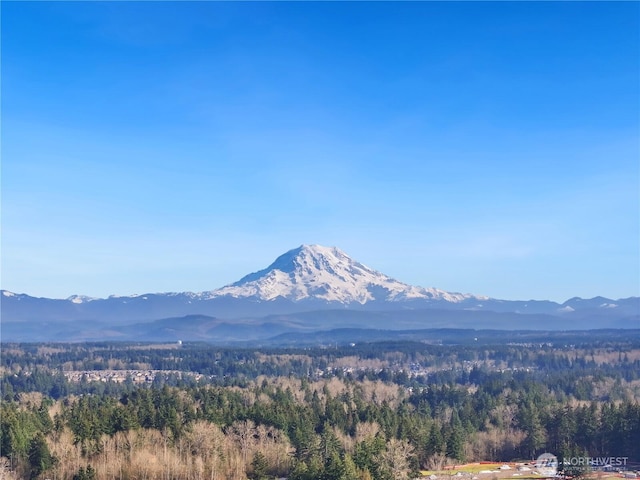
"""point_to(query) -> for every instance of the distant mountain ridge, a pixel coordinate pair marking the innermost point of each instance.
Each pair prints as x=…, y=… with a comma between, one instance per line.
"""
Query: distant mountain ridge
x=310, y=278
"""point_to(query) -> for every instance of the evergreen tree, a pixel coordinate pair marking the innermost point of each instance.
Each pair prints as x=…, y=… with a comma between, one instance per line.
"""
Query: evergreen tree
x=350, y=471
x=85, y=474
x=259, y=467
x=435, y=443
x=455, y=444
x=329, y=443
x=300, y=471
x=532, y=425
x=40, y=458
x=334, y=468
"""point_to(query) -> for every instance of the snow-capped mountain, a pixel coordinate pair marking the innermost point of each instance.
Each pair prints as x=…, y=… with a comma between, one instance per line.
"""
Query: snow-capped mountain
x=328, y=274
x=310, y=287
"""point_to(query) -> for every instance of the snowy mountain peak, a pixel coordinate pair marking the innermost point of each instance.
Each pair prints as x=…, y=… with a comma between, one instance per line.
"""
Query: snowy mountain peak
x=307, y=257
x=80, y=299
x=316, y=272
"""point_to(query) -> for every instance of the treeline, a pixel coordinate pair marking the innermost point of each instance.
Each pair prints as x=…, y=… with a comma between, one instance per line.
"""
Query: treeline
x=327, y=429
x=585, y=373
x=380, y=411
x=251, y=362
x=58, y=353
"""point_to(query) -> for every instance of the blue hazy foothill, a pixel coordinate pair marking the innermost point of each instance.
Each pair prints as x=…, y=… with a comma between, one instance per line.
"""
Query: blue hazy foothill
x=308, y=289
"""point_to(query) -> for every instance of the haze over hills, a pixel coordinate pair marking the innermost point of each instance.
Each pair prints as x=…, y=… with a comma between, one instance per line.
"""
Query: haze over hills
x=306, y=289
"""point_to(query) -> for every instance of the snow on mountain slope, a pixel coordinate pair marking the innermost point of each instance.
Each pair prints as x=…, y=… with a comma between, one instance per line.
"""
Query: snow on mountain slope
x=78, y=299
x=310, y=278
x=329, y=274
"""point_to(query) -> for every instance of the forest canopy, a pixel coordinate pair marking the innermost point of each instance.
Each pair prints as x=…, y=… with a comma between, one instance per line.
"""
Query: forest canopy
x=381, y=410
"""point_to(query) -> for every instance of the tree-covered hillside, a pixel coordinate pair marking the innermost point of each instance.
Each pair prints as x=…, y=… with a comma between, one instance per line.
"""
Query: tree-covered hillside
x=380, y=410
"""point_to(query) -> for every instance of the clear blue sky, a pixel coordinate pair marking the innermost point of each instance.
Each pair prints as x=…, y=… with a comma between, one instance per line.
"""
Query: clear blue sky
x=490, y=148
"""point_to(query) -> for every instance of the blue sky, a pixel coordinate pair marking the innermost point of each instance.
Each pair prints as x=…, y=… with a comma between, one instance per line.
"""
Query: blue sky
x=489, y=148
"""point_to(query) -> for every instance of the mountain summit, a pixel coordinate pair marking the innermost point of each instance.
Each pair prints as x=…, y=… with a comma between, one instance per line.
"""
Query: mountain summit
x=309, y=288
x=315, y=272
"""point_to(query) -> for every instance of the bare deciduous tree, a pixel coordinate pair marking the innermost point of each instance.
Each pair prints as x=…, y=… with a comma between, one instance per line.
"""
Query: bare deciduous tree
x=395, y=460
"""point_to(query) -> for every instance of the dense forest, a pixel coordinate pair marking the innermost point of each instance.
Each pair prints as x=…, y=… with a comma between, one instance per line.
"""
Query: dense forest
x=384, y=410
